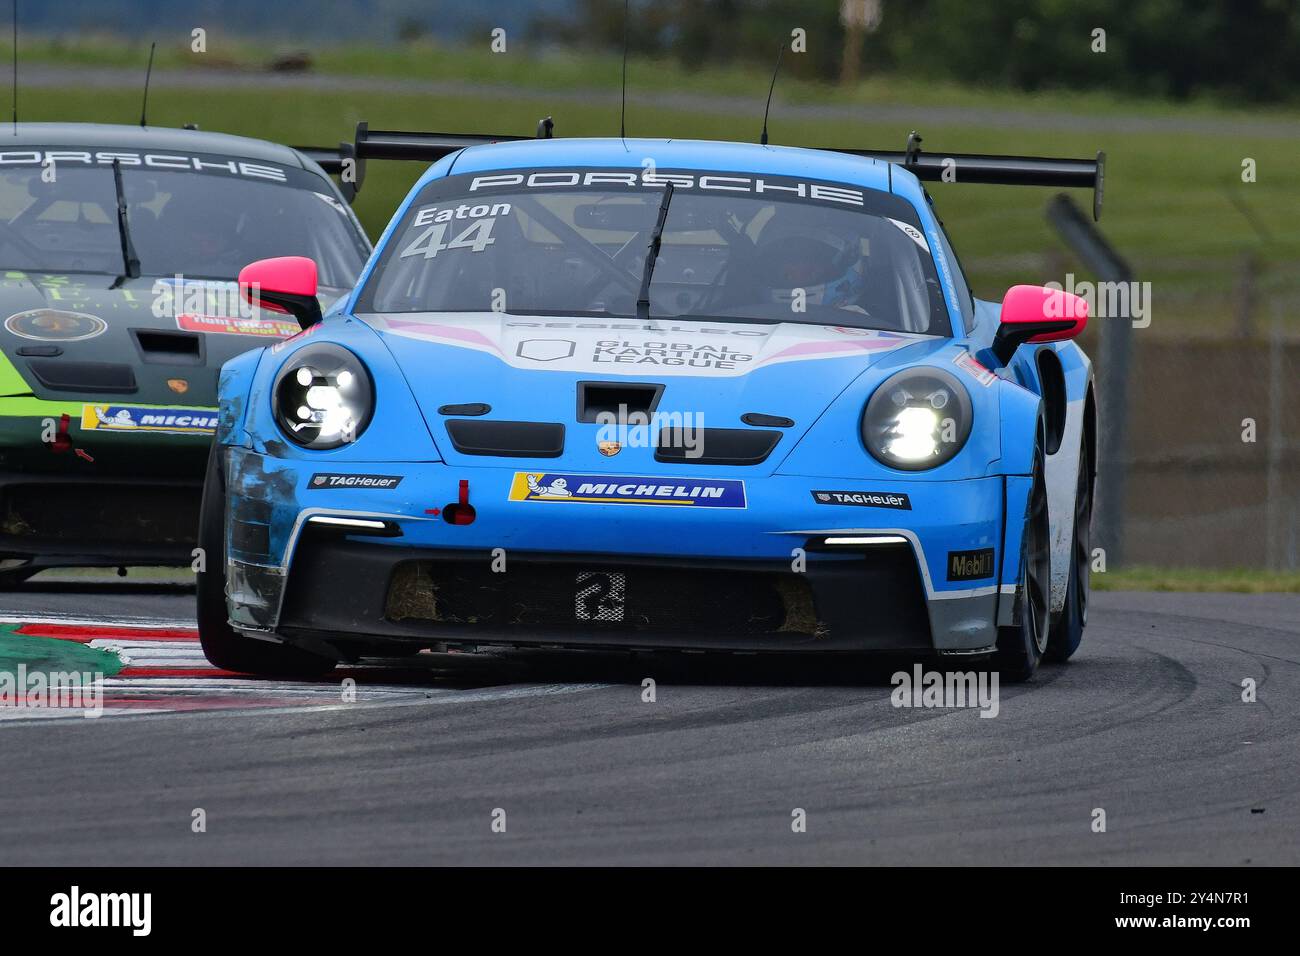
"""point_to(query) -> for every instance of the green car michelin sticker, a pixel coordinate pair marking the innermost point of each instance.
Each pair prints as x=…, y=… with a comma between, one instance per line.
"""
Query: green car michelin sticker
x=143, y=418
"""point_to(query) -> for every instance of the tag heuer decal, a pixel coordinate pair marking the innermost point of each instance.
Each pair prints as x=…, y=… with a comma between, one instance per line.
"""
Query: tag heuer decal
x=331, y=480
x=867, y=499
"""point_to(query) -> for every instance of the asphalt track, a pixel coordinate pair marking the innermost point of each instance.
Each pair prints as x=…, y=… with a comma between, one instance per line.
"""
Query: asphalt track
x=1146, y=723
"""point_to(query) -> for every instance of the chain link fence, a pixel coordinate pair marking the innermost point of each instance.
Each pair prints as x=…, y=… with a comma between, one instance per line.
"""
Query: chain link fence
x=1209, y=468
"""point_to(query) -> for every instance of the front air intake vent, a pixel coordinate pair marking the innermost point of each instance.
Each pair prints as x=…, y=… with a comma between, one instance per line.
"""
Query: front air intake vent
x=715, y=446
x=163, y=347
x=619, y=399
x=60, y=375
x=506, y=439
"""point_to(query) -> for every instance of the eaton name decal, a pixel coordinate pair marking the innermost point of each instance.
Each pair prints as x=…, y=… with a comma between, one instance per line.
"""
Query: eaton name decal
x=627, y=490
x=143, y=418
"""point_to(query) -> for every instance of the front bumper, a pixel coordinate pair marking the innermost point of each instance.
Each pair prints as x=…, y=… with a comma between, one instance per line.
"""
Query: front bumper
x=97, y=520
x=75, y=496
x=783, y=572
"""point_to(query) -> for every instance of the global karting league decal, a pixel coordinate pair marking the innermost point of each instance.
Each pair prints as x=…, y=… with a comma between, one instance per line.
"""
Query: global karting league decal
x=627, y=490
x=717, y=350
x=870, y=499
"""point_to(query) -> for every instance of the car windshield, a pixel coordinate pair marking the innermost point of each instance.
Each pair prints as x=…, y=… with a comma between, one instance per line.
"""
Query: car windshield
x=209, y=223
x=574, y=242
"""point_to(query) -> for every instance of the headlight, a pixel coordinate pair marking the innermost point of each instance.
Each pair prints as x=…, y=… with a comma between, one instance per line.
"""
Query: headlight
x=324, y=397
x=917, y=419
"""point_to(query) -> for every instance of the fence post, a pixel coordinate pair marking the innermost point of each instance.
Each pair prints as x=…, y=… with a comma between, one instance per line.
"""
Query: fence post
x=1274, y=505
x=1244, y=299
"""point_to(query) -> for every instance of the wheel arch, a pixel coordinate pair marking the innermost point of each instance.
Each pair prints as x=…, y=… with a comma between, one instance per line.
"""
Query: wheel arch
x=1051, y=381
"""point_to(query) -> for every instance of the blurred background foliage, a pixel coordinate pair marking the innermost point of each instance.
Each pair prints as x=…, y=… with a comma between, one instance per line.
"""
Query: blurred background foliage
x=1243, y=49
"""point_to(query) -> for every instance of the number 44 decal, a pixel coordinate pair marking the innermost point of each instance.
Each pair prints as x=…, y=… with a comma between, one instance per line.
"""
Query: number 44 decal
x=476, y=237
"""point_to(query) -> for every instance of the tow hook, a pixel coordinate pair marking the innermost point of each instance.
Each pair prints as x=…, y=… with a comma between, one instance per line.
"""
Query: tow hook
x=460, y=512
x=62, y=442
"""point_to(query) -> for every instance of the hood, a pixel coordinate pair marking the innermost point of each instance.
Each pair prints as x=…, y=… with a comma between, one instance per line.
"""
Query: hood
x=74, y=337
x=538, y=369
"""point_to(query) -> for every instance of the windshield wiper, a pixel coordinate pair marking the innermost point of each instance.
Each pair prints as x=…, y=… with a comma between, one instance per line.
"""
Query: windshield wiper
x=652, y=254
x=129, y=257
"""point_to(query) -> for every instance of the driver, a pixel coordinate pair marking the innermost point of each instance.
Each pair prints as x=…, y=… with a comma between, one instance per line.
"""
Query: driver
x=198, y=229
x=828, y=268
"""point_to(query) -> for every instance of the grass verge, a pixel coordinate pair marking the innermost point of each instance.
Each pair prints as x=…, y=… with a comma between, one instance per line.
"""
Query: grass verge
x=1239, y=580
x=51, y=655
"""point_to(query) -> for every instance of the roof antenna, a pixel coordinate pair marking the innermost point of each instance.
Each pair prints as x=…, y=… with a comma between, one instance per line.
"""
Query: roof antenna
x=15, y=67
x=779, y=53
x=144, y=106
x=622, y=108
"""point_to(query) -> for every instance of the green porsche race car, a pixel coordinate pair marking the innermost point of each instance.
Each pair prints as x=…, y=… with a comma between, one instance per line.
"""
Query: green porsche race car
x=119, y=251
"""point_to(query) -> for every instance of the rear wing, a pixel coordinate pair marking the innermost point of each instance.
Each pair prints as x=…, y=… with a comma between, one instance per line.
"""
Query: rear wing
x=349, y=159
x=995, y=170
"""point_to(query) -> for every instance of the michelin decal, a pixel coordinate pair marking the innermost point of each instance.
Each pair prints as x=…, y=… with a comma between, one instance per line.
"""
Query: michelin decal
x=144, y=418
x=627, y=490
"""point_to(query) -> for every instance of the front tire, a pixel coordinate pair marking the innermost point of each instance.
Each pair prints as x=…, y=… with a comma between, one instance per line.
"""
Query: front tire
x=1067, y=627
x=223, y=646
x=1021, y=645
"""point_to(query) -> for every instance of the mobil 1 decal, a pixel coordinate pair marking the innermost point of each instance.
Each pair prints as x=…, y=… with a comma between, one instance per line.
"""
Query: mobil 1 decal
x=970, y=565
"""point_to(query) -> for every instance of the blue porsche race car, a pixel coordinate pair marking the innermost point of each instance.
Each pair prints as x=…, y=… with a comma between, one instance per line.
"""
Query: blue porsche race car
x=656, y=394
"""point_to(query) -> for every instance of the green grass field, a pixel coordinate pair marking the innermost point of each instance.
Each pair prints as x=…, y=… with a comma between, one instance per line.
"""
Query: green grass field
x=1241, y=580
x=1168, y=195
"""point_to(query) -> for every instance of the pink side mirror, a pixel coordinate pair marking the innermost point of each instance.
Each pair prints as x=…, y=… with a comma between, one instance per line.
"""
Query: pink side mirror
x=1035, y=313
x=286, y=284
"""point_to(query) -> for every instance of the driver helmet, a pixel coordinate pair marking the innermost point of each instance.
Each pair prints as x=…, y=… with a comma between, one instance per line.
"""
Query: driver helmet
x=200, y=223
x=828, y=267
